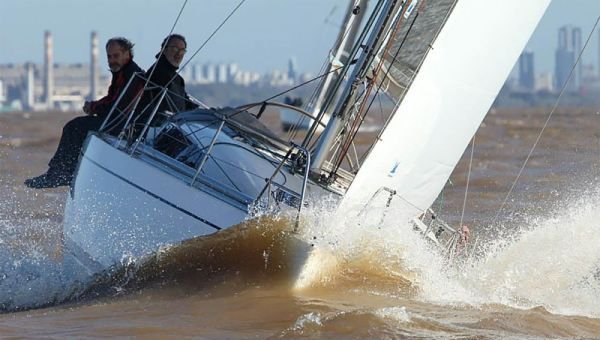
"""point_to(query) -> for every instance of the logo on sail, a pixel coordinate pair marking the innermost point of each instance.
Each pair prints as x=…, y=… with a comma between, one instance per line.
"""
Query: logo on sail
x=394, y=170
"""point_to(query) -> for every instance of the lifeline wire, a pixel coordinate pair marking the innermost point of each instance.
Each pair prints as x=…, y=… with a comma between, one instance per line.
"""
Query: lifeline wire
x=199, y=48
x=547, y=120
x=229, y=116
x=208, y=39
x=162, y=49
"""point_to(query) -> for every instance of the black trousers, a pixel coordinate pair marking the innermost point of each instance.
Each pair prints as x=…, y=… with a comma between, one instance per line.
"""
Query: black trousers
x=65, y=158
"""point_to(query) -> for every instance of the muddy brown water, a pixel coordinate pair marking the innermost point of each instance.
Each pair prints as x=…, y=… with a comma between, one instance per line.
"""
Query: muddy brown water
x=535, y=274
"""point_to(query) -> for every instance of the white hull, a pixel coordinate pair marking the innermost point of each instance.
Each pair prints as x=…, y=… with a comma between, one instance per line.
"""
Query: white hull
x=126, y=206
x=121, y=205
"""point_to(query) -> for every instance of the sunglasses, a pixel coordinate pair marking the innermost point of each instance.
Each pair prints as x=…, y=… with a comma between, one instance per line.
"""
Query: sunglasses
x=177, y=49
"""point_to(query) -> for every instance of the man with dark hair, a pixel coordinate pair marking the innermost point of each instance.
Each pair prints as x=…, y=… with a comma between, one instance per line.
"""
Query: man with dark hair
x=62, y=166
x=163, y=73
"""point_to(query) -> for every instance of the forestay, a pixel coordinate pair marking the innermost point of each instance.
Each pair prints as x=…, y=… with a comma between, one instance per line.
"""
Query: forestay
x=457, y=82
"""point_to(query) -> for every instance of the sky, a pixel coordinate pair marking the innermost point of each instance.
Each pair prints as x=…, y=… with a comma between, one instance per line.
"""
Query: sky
x=260, y=36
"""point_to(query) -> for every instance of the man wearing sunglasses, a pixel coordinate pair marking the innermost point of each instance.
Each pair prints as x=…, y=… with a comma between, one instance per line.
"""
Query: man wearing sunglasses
x=163, y=74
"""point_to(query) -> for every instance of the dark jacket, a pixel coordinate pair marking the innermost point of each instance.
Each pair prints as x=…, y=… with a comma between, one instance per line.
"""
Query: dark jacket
x=176, y=98
x=102, y=106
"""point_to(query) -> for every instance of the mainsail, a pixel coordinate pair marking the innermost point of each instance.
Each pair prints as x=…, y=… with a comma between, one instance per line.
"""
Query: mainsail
x=462, y=70
x=421, y=23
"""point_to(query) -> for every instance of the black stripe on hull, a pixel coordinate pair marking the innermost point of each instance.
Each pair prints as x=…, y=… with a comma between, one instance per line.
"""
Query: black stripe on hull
x=210, y=224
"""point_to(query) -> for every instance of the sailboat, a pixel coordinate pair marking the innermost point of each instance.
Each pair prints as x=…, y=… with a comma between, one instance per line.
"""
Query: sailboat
x=441, y=63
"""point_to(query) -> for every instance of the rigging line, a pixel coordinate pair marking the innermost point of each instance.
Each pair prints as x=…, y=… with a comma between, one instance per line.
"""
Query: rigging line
x=218, y=160
x=413, y=76
x=385, y=76
x=421, y=210
x=409, y=83
x=329, y=62
x=562, y=91
x=207, y=40
x=199, y=48
x=380, y=108
x=389, y=69
x=330, y=99
x=162, y=49
x=283, y=92
x=299, y=85
x=229, y=116
x=462, y=214
x=339, y=140
x=294, y=132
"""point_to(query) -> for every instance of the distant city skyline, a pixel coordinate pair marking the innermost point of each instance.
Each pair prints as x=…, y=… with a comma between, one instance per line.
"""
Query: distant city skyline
x=579, y=13
x=262, y=36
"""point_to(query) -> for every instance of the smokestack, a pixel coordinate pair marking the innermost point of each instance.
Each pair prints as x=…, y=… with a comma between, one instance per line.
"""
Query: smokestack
x=49, y=68
x=94, y=66
x=30, y=100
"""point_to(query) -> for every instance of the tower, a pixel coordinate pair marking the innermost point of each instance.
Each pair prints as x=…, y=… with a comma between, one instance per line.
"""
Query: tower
x=93, y=65
x=526, y=71
x=48, y=69
x=569, y=47
x=30, y=86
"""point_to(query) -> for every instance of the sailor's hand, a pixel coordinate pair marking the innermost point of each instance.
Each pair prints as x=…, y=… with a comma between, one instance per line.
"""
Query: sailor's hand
x=87, y=107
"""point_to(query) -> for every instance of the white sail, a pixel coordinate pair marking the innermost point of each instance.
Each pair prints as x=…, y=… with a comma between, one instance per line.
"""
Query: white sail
x=449, y=97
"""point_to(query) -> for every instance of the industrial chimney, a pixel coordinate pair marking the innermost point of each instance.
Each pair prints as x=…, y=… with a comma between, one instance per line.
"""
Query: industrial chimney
x=48, y=69
x=94, y=66
x=30, y=99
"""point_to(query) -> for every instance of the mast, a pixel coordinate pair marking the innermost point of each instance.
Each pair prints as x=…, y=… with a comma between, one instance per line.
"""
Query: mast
x=341, y=56
x=385, y=18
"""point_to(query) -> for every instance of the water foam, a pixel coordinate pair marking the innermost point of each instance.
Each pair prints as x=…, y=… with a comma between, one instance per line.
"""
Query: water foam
x=552, y=262
x=30, y=276
x=352, y=249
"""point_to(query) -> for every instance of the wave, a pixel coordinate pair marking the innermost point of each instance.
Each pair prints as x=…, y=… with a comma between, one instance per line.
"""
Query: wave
x=261, y=251
x=552, y=262
x=265, y=252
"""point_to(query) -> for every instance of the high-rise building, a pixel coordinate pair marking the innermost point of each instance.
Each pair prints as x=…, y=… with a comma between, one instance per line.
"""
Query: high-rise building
x=526, y=71
x=221, y=73
x=232, y=70
x=569, y=48
x=210, y=73
x=292, y=70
